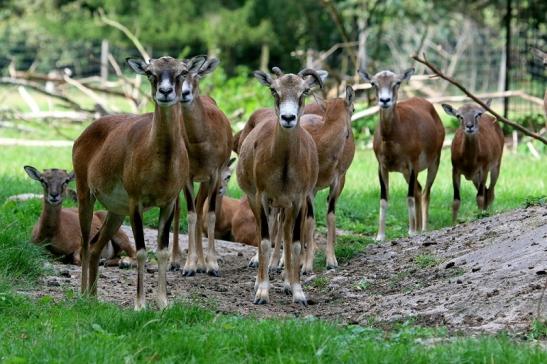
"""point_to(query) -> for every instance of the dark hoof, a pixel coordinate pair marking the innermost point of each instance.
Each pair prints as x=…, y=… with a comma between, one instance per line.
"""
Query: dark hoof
x=331, y=267
x=302, y=303
x=253, y=265
x=307, y=273
x=188, y=273
x=214, y=273
x=260, y=301
x=124, y=265
x=174, y=267
x=201, y=270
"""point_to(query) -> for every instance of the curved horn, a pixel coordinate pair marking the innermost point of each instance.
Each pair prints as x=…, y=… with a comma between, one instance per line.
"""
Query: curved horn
x=277, y=71
x=309, y=72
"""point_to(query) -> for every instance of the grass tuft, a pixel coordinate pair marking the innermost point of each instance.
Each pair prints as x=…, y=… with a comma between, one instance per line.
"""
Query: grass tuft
x=538, y=330
x=426, y=260
x=81, y=330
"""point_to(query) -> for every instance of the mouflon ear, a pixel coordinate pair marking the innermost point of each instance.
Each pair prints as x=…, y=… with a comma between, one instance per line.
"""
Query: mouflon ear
x=263, y=78
x=323, y=75
x=350, y=95
x=195, y=63
x=33, y=173
x=449, y=110
x=138, y=65
x=364, y=75
x=407, y=74
x=208, y=67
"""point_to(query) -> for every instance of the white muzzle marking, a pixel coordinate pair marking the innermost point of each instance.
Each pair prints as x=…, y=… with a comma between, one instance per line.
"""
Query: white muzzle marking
x=186, y=95
x=288, y=108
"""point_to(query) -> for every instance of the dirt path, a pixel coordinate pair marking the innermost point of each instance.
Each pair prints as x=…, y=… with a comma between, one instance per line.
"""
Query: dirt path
x=482, y=276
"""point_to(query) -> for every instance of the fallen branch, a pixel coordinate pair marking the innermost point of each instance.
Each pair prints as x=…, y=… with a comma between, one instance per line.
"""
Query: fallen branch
x=29, y=100
x=37, y=87
x=438, y=99
x=477, y=100
x=363, y=114
x=15, y=126
x=129, y=85
x=88, y=92
x=73, y=116
x=108, y=89
x=488, y=95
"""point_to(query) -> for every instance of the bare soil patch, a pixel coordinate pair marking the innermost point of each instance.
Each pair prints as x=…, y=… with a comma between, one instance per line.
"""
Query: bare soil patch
x=483, y=276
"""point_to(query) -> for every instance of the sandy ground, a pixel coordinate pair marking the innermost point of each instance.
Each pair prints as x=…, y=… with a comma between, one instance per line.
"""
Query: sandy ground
x=486, y=276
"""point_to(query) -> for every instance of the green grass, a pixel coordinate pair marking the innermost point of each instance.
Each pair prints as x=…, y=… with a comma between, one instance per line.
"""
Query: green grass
x=78, y=330
x=538, y=330
x=347, y=247
x=43, y=331
x=522, y=182
x=321, y=283
x=362, y=285
x=426, y=260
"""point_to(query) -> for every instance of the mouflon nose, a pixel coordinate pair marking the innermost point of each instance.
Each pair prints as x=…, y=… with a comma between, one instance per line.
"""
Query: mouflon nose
x=288, y=117
x=385, y=100
x=54, y=197
x=166, y=90
x=185, y=93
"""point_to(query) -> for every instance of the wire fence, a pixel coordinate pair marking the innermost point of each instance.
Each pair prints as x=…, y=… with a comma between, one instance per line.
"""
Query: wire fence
x=526, y=71
x=472, y=53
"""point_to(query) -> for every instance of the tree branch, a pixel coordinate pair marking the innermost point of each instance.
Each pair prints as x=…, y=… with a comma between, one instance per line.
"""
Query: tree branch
x=127, y=33
x=37, y=87
x=337, y=18
x=439, y=73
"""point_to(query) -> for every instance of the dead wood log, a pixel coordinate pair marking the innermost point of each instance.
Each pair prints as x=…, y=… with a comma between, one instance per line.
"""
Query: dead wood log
x=37, y=87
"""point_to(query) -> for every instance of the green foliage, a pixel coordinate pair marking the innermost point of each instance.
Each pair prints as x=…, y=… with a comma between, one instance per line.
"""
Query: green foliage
x=363, y=129
x=362, y=285
x=538, y=330
x=521, y=183
x=80, y=330
x=321, y=283
x=347, y=246
x=20, y=261
x=426, y=260
x=44, y=330
x=238, y=96
x=535, y=201
x=532, y=122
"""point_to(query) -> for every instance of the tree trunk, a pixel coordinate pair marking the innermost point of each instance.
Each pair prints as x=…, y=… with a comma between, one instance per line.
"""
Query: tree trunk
x=265, y=57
